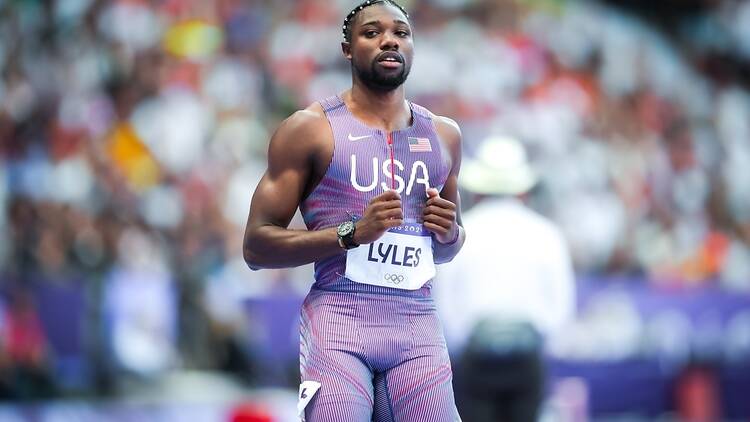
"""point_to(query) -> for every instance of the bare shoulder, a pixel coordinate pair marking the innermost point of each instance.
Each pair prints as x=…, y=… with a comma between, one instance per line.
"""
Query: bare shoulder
x=447, y=128
x=308, y=121
x=447, y=124
x=449, y=132
x=313, y=113
x=304, y=131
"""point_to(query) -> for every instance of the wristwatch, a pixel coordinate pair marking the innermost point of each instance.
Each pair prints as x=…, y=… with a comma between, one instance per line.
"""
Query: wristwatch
x=345, y=231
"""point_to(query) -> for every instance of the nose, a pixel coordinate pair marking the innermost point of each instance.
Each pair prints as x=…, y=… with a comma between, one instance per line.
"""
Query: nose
x=389, y=42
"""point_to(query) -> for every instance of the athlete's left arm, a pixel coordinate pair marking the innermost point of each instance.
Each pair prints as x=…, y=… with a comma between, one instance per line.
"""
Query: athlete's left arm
x=442, y=211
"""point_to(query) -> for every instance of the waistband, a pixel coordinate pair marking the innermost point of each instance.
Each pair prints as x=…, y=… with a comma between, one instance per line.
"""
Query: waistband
x=344, y=285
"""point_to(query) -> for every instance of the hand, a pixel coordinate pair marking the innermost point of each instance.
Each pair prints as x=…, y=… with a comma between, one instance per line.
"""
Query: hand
x=382, y=213
x=440, y=217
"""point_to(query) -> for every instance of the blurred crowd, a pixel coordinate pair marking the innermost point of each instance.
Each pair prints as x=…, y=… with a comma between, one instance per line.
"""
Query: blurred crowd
x=133, y=132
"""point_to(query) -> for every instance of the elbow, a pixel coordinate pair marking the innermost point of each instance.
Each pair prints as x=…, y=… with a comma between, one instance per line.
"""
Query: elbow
x=253, y=260
x=252, y=249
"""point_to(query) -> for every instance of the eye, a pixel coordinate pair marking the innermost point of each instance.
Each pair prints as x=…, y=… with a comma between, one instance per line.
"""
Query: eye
x=402, y=33
x=371, y=33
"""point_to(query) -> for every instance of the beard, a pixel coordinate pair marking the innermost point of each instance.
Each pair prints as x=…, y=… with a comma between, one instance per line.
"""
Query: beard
x=377, y=79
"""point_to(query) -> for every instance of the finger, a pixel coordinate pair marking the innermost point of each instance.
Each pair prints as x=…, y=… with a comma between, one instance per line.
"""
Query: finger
x=393, y=222
x=393, y=202
x=446, y=223
x=443, y=212
x=443, y=203
x=391, y=214
x=432, y=193
x=389, y=204
x=435, y=228
x=387, y=196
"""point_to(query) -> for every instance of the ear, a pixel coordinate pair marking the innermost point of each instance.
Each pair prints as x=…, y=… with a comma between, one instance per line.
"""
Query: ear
x=346, y=48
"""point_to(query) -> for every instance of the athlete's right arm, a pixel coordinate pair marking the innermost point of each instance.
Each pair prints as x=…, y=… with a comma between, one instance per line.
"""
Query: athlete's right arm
x=268, y=243
x=301, y=141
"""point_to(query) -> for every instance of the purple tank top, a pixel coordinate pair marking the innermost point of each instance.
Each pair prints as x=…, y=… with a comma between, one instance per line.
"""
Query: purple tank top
x=360, y=169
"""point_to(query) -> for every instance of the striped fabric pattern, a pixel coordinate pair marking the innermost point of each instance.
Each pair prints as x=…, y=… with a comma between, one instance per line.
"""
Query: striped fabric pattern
x=337, y=193
x=377, y=357
x=378, y=352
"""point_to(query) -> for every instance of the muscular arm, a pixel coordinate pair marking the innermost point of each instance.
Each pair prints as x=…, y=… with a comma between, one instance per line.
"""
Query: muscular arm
x=450, y=241
x=268, y=243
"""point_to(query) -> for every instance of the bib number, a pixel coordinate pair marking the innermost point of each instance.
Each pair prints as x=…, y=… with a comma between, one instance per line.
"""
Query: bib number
x=401, y=258
x=306, y=391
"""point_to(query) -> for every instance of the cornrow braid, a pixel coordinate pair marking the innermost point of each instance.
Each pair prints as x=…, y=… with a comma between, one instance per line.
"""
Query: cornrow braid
x=346, y=28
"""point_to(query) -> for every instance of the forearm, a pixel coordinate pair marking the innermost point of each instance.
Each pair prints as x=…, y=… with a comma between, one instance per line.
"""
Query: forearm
x=445, y=252
x=272, y=246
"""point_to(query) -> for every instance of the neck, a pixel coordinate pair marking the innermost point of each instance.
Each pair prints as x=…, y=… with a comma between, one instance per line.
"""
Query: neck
x=384, y=109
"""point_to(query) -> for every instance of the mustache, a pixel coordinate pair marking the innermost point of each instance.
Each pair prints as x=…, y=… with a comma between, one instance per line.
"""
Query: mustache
x=390, y=55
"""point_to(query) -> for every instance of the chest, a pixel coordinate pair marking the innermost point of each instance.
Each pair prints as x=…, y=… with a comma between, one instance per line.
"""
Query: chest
x=407, y=163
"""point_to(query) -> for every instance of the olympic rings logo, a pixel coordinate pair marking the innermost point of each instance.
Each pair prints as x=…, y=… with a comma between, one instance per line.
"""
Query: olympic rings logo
x=394, y=278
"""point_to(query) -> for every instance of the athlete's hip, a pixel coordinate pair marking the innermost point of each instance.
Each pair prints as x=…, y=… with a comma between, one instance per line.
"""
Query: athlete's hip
x=367, y=321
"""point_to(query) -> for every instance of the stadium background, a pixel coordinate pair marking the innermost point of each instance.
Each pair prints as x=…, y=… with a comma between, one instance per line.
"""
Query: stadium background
x=133, y=132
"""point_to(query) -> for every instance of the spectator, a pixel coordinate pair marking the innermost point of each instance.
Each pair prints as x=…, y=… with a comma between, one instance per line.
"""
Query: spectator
x=511, y=288
x=26, y=345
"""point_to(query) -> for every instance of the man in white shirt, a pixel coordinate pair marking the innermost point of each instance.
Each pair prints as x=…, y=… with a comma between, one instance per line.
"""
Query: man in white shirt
x=512, y=286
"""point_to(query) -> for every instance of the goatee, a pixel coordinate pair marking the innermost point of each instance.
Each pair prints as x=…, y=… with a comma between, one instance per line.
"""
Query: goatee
x=378, y=80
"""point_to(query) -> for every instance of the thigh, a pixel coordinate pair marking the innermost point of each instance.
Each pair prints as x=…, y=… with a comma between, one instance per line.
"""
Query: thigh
x=420, y=386
x=419, y=389
x=346, y=389
x=330, y=355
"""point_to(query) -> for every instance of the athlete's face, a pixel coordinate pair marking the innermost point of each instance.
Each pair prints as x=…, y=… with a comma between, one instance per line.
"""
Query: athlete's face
x=382, y=48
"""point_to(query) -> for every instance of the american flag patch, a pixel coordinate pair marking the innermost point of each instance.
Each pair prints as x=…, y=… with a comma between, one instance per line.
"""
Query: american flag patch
x=420, y=145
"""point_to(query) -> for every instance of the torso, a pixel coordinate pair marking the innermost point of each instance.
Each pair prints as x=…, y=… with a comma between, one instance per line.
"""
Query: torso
x=350, y=164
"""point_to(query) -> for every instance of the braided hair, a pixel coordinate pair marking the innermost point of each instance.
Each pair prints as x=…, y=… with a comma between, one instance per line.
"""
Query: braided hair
x=346, y=29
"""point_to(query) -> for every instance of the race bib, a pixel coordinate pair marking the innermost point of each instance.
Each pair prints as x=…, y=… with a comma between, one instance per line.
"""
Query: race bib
x=401, y=258
x=306, y=391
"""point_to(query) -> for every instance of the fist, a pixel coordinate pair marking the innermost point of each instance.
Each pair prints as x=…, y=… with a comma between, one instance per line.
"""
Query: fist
x=382, y=213
x=440, y=217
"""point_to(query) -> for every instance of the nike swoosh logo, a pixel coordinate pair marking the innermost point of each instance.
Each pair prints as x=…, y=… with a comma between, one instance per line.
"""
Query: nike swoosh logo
x=357, y=138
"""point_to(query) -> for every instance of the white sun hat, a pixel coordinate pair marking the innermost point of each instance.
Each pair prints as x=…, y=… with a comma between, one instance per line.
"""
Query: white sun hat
x=499, y=168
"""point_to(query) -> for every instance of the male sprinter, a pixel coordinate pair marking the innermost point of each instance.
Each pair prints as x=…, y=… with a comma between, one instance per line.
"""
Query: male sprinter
x=375, y=177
